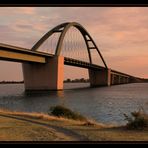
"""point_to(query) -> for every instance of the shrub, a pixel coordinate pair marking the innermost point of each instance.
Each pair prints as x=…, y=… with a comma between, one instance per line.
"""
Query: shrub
x=137, y=120
x=88, y=123
x=61, y=111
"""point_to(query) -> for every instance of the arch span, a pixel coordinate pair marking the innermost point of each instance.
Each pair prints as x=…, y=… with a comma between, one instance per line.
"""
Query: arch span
x=62, y=29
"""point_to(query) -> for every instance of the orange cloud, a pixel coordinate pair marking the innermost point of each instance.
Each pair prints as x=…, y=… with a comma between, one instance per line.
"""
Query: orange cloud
x=27, y=10
x=120, y=33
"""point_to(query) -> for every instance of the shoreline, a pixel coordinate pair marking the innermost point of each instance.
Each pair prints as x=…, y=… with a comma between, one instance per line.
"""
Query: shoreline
x=23, y=82
x=22, y=126
x=12, y=82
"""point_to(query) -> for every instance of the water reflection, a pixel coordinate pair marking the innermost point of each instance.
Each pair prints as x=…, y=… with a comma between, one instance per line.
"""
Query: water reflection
x=104, y=104
x=60, y=94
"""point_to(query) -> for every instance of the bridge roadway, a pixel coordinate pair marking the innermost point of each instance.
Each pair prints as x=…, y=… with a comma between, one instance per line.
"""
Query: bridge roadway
x=23, y=55
x=18, y=54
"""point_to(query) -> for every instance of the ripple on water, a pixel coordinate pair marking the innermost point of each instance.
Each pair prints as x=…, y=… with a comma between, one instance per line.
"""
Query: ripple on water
x=104, y=104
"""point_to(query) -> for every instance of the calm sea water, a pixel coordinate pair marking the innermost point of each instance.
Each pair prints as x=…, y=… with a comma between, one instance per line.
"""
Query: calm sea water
x=103, y=104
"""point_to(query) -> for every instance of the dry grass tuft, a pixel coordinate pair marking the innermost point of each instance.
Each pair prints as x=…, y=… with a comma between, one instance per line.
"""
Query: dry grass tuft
x=41, y=116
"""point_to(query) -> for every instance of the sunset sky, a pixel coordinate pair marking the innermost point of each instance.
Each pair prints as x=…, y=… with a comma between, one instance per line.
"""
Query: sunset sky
x=121, y=33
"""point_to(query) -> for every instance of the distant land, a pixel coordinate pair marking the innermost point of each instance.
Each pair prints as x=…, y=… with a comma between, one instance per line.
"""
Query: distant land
x=11, y=82
x=81, y=80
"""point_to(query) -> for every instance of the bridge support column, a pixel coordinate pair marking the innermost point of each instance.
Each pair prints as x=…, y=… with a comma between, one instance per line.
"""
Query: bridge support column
x=112, y=79
x=115, y=79
x=100, y=77
x=119, y=79
x=127, y=80
x=47, y=76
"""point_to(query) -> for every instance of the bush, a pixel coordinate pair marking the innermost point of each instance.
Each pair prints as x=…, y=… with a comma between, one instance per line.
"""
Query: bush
x=138, y=120
x=88, y=123
x=61, y=111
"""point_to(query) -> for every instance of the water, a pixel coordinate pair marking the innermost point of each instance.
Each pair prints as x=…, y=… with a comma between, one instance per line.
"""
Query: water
x=104, y=104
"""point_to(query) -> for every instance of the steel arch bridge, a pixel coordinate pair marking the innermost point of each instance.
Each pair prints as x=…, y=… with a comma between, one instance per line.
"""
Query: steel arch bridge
x=62, y=29
x=43, y=70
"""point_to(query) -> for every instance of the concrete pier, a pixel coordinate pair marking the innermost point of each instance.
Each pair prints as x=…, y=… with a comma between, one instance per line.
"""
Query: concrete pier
x=100, y=77
x=48, y=76
x=119, y=79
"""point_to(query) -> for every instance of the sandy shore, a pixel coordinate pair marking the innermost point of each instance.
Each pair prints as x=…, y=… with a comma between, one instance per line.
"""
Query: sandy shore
x=16, y=126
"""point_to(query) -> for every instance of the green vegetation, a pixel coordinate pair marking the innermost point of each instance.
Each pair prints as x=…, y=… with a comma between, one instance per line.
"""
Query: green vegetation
x=137, y=121
x=61, y=111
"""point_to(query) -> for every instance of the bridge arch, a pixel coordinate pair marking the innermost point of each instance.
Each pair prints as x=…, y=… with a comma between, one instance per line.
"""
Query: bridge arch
x=63, y=29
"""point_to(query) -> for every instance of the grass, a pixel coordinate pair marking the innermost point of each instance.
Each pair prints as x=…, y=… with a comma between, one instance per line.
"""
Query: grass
x=61, y=111
x=16, y=130
x=137, y=121
x=21, y=126
x=39, y=116
x=20, y=130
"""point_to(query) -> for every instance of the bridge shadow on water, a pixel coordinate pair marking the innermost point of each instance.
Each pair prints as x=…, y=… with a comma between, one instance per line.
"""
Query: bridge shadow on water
x=76, y=89
x=37, y=93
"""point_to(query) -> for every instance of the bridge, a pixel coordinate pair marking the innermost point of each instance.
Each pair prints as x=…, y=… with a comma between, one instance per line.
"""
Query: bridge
x=43, y=68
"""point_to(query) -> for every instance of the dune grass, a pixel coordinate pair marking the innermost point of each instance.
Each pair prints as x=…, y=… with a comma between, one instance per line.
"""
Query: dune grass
x=62, y=111
x=45, y=117
x=21, y=130
x=138, y=120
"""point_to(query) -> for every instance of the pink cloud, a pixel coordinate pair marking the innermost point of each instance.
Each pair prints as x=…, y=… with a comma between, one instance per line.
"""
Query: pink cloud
x=120, y=33
x=14, y=11
x=27, y=10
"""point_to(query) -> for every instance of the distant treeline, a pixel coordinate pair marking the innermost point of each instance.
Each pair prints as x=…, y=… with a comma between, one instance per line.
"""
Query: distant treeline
x=81, y=80
x=11, y=82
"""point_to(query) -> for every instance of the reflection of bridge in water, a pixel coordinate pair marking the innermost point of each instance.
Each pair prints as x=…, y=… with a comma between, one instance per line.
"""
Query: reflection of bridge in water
x=69, y=44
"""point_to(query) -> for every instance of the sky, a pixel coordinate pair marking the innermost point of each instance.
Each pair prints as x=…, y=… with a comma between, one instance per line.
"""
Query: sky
x=121, y=34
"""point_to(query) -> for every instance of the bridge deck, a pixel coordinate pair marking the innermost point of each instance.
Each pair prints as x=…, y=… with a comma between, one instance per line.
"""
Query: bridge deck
x=19, y=54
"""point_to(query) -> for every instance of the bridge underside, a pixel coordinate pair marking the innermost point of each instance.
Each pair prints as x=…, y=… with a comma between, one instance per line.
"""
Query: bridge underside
x=50, y=76
x=12, y=53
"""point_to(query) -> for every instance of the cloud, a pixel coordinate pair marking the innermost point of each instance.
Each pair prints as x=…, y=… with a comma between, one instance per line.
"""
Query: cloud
x=27, y=10
x=11, y=11
x=132, y=64
x=121, y=33
x=24, y=27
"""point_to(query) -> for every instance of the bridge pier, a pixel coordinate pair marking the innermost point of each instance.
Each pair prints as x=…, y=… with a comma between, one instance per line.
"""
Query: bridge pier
x=127, y=80
x=100, y=77
x=48, y=76
x=114, y=79
x=119, y=79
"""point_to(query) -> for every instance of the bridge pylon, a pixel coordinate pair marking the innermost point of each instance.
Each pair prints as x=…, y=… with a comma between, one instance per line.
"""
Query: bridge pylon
x=47, y=76
x=100, y=77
